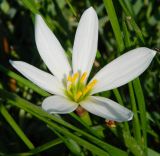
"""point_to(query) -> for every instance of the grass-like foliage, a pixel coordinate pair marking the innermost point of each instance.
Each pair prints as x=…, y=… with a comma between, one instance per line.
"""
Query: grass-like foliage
x=27, y=129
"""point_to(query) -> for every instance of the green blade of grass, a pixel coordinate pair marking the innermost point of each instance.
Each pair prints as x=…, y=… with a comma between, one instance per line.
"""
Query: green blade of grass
x=136, y=124
x=64, y=131
x=21, y=103
x=71, y=144
x=131, y=19
x=80, y=141
x=38, y=149
x=118, y=34
x=120, y=101
x=31, y=5
x=115, y=24
x=15, y=127
x=71, y=8
x=142, y=109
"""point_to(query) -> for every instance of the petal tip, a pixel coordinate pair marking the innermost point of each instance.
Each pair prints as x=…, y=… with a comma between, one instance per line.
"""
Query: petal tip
x=91, y=11
x=11, y=62
x=130, y=116
x=151, y=51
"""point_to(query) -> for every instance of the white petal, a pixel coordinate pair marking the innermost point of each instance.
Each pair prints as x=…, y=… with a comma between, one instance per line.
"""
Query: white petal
x=85, y=43
x=44, y=80
x=123, y=69
x=51, y=50
x=107, y=109
x=59, y=105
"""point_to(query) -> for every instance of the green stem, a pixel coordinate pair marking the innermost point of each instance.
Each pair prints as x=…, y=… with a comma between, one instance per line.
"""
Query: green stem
x=94, y=132
x=15, y=127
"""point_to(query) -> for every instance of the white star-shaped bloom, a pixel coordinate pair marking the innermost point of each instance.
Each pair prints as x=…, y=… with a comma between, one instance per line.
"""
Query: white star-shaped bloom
x=70, y=83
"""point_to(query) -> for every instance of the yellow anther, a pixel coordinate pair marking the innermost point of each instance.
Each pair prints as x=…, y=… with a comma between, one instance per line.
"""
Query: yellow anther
x=83, y=77
x=78, y=95
x=92, y=84
x=69, y=78
x=85, y=90
x=75, y=76
x=89, y=86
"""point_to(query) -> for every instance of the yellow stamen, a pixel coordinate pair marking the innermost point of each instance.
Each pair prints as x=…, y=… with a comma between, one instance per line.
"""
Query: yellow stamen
x=75, y=76
x=78, y=95
x=83, y=77
x=92, y=84
x=69, y=78
x=85, y=91
x=89, y=86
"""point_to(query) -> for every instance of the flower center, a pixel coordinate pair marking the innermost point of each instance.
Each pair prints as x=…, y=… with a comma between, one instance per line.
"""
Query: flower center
x=76, y=88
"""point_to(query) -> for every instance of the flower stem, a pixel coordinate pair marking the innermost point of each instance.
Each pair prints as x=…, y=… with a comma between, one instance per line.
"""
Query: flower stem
x=84, y=115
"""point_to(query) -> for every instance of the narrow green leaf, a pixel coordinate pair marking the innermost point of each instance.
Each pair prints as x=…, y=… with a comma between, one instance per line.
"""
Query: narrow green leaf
x=64, y=131
x=120, y=101
x=142, y=109
x=71, y=8
x=38, y=149
x=151, y=152
x=136, y=124
x=70, y=143
x=131, y=20
x=15, y=127
x=115, y=24
x=21, y=103
x=31, y=5
x=132, y=144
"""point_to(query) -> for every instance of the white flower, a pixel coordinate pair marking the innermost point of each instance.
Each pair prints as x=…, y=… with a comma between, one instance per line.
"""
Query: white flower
x=69, y=84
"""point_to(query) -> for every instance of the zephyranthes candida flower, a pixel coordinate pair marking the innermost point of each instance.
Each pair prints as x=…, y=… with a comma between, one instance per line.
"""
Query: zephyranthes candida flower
x=70, y=83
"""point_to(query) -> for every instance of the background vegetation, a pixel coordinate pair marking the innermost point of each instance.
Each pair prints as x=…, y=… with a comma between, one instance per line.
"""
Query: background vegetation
x=25, y=129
